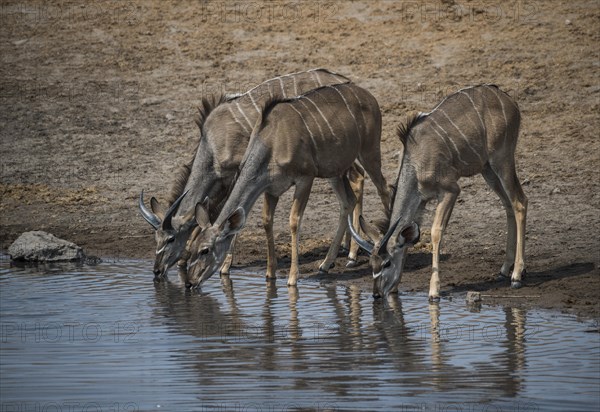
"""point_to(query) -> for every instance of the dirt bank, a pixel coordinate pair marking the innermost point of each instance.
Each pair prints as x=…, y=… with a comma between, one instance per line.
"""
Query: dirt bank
x=98, y=101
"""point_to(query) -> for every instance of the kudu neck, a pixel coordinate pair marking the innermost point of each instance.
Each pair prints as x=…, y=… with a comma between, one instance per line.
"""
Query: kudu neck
x=407, y=199
x=201, y=180
x=250, y=184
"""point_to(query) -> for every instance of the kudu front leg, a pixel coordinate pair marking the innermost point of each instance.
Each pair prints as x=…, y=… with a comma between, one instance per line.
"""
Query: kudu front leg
x=301, y=195
x=269, y=205
x=182, y=266
x=226, y=266
x=347, y=201
x=440, y=222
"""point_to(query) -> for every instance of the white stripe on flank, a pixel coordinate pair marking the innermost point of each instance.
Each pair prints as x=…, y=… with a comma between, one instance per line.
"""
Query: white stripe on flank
x=359, y=103
x=453, y=144
x=448, y=149
x=316, y=74
x=237, y=121
x=295, y=86
x=254, y=103
x=312, y=137
x=463, y=135
x=503, y=112
x=322, y=115
x=282, y=88
x=313, y=116
x=237, y=104
x=476, y=111
x=347, y=107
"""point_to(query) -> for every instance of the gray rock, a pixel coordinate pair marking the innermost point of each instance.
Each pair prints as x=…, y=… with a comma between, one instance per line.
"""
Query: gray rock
x=44, y=247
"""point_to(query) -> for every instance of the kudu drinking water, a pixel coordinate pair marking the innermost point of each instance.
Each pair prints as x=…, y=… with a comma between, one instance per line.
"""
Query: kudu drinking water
x=225, y=126
x=472, y=131
x=318, y=134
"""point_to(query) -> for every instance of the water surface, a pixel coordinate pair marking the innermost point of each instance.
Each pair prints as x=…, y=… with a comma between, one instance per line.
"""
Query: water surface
x=104, y=338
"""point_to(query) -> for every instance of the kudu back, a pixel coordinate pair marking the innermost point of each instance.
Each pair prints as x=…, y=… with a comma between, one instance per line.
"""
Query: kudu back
x=472, y=131
x=317, y=135
x=225, y=125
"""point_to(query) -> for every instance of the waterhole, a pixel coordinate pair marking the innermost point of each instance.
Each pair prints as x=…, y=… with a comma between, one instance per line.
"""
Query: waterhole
x=105, y=338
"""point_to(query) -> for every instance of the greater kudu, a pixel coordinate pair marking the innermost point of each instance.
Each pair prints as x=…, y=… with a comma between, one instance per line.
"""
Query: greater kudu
x=225, y=126
x=471, y=131
x=318, y=134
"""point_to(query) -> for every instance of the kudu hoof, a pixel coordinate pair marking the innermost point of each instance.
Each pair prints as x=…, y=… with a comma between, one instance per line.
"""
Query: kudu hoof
x=501, y=278
x=515, y=284
x=323, y=270
x=351, y=263
x=434, y=299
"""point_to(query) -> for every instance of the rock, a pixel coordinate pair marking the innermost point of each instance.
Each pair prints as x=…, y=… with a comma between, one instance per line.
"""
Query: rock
x=44, y=247
x=473, y=297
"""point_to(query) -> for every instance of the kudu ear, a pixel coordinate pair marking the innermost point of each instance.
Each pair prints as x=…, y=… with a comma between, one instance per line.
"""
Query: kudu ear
x=410, y=233
x=370, y=230
x=234, y=223
x=157, y=208
x=201, y=215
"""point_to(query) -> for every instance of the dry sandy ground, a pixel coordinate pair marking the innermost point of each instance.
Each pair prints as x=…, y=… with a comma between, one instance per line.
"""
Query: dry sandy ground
x=97, y=102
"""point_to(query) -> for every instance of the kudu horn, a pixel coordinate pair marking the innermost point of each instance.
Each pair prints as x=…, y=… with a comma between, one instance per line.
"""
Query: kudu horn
x=388, y=235
x=368, y=246
x=148, y=215
x=166, y=224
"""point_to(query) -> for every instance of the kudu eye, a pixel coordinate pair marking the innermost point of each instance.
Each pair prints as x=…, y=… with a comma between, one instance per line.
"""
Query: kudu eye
x=204, y=251
x=387, y=264
x=170, y=240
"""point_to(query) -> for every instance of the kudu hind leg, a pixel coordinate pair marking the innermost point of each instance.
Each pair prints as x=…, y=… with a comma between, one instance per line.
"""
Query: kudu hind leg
x=269, y=205
x=494, y=182
x=301, y=195
x=372, y=165
x=347, y=200
x=356, y=177
x=518, y=200
x=440, y=222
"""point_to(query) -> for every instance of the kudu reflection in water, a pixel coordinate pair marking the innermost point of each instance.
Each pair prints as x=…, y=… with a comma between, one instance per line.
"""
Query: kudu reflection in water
x=310, y=352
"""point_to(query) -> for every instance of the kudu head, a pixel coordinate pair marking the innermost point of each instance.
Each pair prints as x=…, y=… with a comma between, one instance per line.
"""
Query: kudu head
x=171, y=234
x=386, y=253
x=209, y=244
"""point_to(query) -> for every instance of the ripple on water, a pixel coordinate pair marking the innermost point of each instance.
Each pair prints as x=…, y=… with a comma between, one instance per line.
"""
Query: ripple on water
x=106, y=335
